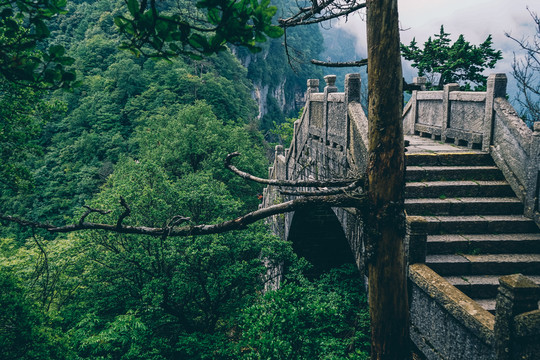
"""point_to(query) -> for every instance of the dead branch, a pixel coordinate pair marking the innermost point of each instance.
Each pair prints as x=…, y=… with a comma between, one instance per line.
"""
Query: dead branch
x=285, y=183
x=357, y=63
x=92, y=210
x=325, y=192
x=239, y=223
x=322, y=11
x=126, y=213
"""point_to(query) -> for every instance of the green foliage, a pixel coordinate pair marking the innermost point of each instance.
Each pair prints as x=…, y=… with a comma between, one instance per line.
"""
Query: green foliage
x=460, y=62
x=21, y=115
x=285, y=130
x=323, y=319
x=24, y=333
x=196, y=28
x=23, y=28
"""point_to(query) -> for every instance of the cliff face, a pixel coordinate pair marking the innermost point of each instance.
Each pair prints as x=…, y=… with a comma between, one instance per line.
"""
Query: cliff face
x=279, y=88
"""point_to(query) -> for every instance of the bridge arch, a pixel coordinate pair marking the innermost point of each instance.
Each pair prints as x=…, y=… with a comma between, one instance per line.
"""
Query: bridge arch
x=317, y=235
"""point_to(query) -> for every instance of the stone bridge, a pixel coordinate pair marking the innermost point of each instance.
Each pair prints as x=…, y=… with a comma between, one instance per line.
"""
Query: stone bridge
x=472, y=202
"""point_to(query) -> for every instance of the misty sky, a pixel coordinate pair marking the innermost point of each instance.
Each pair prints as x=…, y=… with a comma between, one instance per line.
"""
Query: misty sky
x=475, y=19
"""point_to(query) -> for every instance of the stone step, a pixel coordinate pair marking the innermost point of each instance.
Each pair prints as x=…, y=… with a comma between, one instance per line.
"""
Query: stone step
x=487, y=304
x=446, y=173
x=458, y=189
x=463, y=206
x=491, y=264
x=448, y=159
x=481, y=286
x=484, y=243
x=475, y=224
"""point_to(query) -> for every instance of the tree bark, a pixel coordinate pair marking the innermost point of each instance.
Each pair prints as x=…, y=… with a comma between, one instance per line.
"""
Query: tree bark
x=388, y=299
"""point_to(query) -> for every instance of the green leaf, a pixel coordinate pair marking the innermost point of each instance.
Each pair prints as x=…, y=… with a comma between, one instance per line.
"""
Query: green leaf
x=133, y=7
x=273, y=31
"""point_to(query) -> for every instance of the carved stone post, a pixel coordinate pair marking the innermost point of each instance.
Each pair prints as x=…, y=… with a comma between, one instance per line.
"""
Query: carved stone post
x=420, y=81
x=496, y=87
x=417, y=233
x=312, y=87
x=329, y=88
x=353, y=89
x=353, y=84
x=448, y=88
x=517, y=294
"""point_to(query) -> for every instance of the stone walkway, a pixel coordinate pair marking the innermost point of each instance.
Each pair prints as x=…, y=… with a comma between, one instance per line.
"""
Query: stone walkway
x=419, y=144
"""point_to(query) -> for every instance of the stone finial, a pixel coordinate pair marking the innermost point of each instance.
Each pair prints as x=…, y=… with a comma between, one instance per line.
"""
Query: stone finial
x=330, y=80
x=313, y=85
x=523, y=291
x=496, y=85
x=517, y=294
x=330, y=84
x=279, y=150
x=451, y=87
x=353, y=84
x=420, y=81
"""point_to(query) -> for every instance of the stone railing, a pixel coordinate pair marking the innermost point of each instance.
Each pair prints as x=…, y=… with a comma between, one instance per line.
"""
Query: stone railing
x=330, y=141
x=446, y=324
x=450, y=115
x=516, y=151
x=482, y=120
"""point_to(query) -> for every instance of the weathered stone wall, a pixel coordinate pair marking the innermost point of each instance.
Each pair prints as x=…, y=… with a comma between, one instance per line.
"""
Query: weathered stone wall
x=446, y=324
x=516, y=151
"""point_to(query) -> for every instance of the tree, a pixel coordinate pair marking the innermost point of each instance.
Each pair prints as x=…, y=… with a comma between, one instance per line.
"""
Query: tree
x=526, y=71
x=444, y=63
x=388, y=298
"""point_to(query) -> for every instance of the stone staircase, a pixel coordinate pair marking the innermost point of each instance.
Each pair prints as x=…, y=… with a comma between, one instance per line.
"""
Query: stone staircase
x=476, y=232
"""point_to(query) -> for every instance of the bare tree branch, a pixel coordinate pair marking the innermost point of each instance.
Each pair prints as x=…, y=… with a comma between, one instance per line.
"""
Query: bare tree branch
x=286, y=183
x=357, y=63
x=326, y=192
x=526, y=71
x=92, y=210
x=126, y=213
x=322, y=11
x=239, y=223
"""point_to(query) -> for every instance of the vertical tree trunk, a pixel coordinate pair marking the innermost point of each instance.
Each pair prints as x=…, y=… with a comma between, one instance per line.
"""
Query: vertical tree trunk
x=387, y=265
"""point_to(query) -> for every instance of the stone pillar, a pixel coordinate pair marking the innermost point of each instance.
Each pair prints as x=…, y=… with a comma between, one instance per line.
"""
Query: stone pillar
x=353, y=84
x=312, y=87
x=496, y=87
x=517, y=294
x=448, y=88
x=353, y=93
x=420, y=81
x=417, y=236
x=329, y=88
x=280, y=170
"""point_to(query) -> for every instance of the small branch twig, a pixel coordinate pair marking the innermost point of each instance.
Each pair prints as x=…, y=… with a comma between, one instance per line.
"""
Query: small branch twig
x=326, y=192
x=285, y=183
x=125, y=214
x=92, y=210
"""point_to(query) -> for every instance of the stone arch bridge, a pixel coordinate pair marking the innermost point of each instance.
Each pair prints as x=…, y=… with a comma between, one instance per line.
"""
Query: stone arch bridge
x=472, y=202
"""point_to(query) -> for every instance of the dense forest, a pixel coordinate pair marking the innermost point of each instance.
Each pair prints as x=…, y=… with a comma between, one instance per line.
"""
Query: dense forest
x=155, y=132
